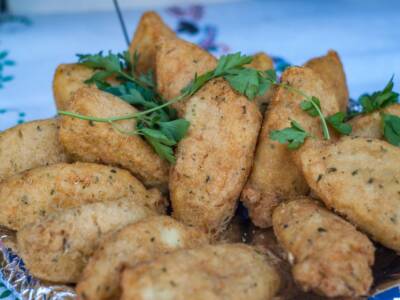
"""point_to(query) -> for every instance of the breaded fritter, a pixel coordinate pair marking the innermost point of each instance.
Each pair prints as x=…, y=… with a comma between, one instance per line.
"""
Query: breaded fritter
x=57, y=247
x=100, y=142
x=149, y=31
x=38, y=192
x=360, y=179
x=178, y=62
x=275, y=176
x=69, y=78
x=215, y=157
x=329, y=67
x=329, y=256
x=261, y=61
x=28, y=146
x=134, y=244
x=230, y=271
x=370, y=125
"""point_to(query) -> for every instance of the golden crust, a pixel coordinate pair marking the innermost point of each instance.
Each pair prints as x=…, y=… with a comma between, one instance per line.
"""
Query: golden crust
x=370, y=125
x=178, y=62
x=231, y=271
x=28, y=146
x=329, y=255
x=100, y=142
x=360, y=179
x=330, y=68
x=69, y=78
x=275, y=176
x=38, y=192
x=149, y=31
x=57, y=247
x=215, y=157
x=134, y=244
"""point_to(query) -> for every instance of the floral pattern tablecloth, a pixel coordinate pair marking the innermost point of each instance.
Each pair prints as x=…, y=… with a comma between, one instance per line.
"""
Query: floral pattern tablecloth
x=365, y=33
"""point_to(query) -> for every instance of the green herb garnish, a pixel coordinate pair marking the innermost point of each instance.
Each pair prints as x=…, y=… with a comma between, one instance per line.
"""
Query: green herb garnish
x=379, y=99
x=246, y=81
x=391, y=128
x=337, y=121
x=157, y=122
x=312, y=106
x=294, y=136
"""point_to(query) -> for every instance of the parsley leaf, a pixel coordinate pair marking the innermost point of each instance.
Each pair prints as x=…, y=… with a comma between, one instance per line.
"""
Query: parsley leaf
x=379, y=99
x=337, y=121
x=310, y=108
x=294, y=135
x=175, y=130
x=246, y=81
x=111, y=62
x=391, y=128
x=231, y=62
x=164, y=135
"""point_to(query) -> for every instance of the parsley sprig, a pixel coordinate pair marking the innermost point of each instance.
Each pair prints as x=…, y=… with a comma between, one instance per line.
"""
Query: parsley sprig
x=391, y=128
x=157, y=122
x=379, y=99
x=295, y=135
x=159, y=126
x=246, y=81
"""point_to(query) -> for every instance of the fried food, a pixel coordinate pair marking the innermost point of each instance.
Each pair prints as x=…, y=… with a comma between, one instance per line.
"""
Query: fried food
x=177, y=63
x=261, y=61
x=100, y=142
x=69, y=78
x=134, y=244
x=275, y=176
x=370, y=125
x=57, y=247
x=329, y=255
x=28, y=146
x=330, y=68
x=38, y=192
x=215, y=157
x=360, y=179
x=230, y=271
x=149, y=31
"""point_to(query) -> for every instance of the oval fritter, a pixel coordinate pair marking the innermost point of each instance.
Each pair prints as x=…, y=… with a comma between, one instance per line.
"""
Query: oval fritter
x=329, y=67
x=329, y=255
x=136, y=243
x=214, y=159
x=69, y=78
x=370, y=125
x=360, y=179
x=177, y=63
x=100, y=142
x=231, y=271
x=28, y=146
x=150, y=30
x=275, y=176
x=38, y=192
x=57, y=247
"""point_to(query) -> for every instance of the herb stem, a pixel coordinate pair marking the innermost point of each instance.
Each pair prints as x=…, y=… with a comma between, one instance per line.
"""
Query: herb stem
x=121, y=118
x=325, y=129
x=133, y=79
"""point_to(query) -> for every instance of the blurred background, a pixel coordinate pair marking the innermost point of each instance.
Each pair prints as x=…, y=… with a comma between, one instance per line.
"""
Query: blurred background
x=37, y=35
